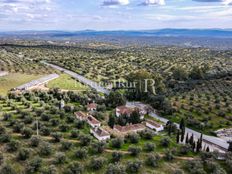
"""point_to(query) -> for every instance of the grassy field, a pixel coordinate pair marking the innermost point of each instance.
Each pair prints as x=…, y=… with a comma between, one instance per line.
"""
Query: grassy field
x=67, y=83
x=13, y=80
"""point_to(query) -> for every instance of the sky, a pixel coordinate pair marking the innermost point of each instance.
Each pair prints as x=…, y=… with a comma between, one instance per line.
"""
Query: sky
x=74, y=15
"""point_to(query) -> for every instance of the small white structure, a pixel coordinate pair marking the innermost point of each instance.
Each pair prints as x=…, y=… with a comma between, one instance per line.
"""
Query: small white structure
x=62, y=104
x=93, y=122
x=3, y=73
x=100, y=134
x=92, y=107
x=154, y=125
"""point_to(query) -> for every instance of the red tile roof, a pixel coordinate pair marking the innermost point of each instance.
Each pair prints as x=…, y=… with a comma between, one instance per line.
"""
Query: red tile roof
x=80, y=114
x=101, y=132
x=93, y=120
x=128, y=128
x=124, y=110
x=92, y=106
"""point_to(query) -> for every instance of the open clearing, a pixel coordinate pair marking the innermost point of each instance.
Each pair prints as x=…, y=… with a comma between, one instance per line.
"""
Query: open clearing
x=13, y=80
x=66, y=82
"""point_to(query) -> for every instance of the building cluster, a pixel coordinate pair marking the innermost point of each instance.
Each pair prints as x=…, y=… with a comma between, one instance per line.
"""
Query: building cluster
x=96, y=129
x=37, y=82
x=101, y=134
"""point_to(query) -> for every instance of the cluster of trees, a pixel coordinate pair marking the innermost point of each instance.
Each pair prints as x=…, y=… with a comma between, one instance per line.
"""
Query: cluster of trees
x=123, y=120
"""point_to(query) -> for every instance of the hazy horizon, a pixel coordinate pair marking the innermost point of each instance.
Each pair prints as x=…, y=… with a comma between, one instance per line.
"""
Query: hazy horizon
x=108, y=15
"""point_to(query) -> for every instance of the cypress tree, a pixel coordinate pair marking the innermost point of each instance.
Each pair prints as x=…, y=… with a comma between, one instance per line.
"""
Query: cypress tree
x=200, y=141
x=111, y=121
x=182, y=124
x=191, y=141
x=193, y=146
x=182, y=134
x=199, y=145
x=230, y=146
x=178, y=136
x=187, y=139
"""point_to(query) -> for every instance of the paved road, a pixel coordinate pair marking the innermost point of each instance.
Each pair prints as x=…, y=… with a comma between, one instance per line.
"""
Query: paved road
x=80, y=78
x=215, y=142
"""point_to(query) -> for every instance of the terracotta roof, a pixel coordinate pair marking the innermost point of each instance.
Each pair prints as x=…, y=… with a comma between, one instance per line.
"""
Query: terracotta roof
x=124, y=110
x=92, y=106
x=80, y=114
x=154, y=123
x=101, y=132
x=131, y=127
x=93, y=120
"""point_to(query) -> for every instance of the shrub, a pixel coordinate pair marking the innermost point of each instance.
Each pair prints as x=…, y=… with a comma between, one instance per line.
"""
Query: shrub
x=168, y=155
x=133, y=166
x=65, y=145
x=98, y=147
x=195, y=167
x=45, y=149
x=17, y=128
x=7, y=169
x=45, y=131
x=74, y=168
x=60, y=158
x=5, y=138
x=116, y=156
x=134, y=151
x=133, y=138
x=164, y=142
x=45, y=117
x=97, y=163
x=28, y=119
x=64, y=127
x=79, y=124
x=23, y=154
x=147, y=134
x=34, y=165
x=2, y=130
x=49, y=170
x=152, y=160
x=12, y=146
x=27, y=133
x=74, y=133
x=56, y=136
x=149, y=147
x=54, y=122
x=117, y=142
x=34, y=141
x=81, y=153
x=185, y=149
x=85, y=140
x=115, y=169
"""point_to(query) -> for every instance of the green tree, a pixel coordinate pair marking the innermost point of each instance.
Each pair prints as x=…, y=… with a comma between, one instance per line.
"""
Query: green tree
x=135, y=117
x=23, y=154
x=7, y=169
x=111, y=121
x=74, y=168
x=115, y=99
x=180, y=73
